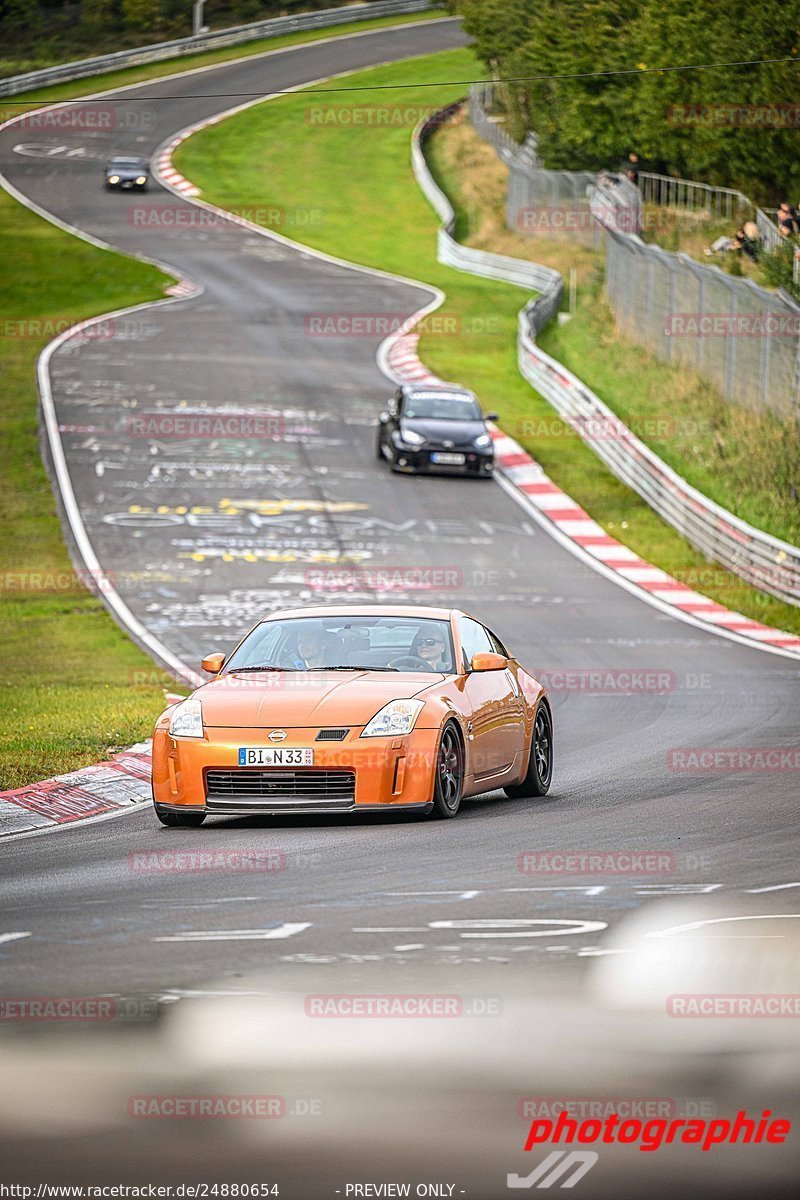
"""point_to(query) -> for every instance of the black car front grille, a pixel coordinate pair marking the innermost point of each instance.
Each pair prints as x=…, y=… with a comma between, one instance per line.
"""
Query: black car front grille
x=295, y=786
x=332, y=735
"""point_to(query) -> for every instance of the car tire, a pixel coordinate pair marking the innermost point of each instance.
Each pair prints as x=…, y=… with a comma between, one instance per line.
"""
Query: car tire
x=189, y=820
x=448, y=785
x=540, y=761
x=379, y=446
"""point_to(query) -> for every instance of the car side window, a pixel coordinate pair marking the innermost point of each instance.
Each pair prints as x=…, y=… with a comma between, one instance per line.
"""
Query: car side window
x=497, y=645
x=474, y=640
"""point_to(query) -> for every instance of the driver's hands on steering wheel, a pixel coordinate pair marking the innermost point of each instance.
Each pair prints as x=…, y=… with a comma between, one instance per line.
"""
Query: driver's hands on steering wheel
x=414, y=659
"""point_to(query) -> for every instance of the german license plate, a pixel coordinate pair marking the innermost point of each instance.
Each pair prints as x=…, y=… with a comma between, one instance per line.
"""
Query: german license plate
x=448, y=460
x=272, y=756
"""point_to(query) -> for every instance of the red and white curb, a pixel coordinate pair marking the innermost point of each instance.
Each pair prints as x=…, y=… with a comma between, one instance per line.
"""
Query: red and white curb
x=166, y=171
x=183, y=289
x=403, y=361
x=101, y=790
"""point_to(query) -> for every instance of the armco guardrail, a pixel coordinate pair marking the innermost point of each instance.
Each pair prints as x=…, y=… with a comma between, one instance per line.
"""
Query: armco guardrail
x=764, y=561
x=274, y=27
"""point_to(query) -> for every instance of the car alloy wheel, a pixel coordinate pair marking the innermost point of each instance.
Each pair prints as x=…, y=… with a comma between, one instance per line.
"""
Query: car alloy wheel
x=449, y=781
x=540, y=764
x=543, y=747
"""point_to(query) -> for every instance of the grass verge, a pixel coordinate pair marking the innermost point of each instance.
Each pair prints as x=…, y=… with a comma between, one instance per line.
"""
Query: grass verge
x=241, y=163
x=67, y=694
x=74, y=688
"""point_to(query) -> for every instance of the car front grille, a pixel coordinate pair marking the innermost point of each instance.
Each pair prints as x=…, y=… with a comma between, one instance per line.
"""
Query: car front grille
x=284, y=788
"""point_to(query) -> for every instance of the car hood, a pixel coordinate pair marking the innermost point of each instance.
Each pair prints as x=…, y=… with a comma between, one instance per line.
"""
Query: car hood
x=295, y=699
x=460, y=433
x=127, y=172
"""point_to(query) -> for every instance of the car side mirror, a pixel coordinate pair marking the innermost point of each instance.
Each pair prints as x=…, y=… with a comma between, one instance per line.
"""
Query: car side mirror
x=213, y=663
x=384, y=418
x=492, y=417
x=488, y=661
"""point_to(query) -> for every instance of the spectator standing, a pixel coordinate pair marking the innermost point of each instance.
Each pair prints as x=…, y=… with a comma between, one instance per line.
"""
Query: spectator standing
x=631, y=168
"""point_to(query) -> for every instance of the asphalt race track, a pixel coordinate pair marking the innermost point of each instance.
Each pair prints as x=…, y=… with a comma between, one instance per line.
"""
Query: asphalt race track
x=203, y=536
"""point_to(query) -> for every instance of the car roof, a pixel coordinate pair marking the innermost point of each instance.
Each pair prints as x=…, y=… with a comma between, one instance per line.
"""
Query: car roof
x=367, y=610
x=443, y=389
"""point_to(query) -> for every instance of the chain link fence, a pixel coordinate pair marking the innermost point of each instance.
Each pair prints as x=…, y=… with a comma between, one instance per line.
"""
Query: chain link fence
x=550, y=203
x=738, y=335
x=741, y=337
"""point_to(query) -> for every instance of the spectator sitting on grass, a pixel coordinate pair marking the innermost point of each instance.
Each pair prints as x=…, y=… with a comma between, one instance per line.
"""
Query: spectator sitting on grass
x=750, y=240
x=746, y=239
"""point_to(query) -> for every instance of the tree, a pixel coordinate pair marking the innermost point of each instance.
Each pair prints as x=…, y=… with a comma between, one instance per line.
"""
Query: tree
x=22, y=17
x=97, y=16
x=720, y=125
x=142, y=15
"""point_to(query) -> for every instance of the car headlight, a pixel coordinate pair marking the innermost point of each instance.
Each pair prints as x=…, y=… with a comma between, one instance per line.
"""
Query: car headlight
x=412, y=437
x=141, y=179
x=113, y=179
x=187, y=719
x=395, y=718
x=482, y=439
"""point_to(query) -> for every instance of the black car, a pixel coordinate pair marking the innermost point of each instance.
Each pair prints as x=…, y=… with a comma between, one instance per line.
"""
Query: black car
x=436, y=429
x=124, y=171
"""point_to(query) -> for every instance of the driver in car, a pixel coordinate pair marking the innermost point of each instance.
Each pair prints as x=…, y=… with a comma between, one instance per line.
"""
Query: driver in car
x=431, y=649
x=311, y=649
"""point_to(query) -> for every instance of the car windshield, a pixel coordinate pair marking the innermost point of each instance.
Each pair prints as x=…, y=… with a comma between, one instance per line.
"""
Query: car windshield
x=127, y=162
x=350, y=642
x=441, y=406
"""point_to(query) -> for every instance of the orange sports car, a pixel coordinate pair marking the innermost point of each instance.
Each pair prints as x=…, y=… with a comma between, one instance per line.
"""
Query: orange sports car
x=354, y=709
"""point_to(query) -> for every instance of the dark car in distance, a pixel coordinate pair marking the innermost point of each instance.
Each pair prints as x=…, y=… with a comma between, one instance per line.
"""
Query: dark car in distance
x=432, y=429
x=126, y=171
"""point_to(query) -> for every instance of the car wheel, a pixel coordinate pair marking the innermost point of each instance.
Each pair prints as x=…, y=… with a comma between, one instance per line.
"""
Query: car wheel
x=449, y=782
x=540, y=763
x=189, y=820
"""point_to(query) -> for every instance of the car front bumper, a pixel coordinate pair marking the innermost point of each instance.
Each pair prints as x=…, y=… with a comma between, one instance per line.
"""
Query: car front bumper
x=354, y=775
x=419, y=461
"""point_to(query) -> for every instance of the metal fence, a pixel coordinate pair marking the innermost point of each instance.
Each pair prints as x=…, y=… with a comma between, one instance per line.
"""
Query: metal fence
x=764, y=561
x=703, y=199
x=550, y=203
x=690, y=196
x=274, y=27
x=739, y=336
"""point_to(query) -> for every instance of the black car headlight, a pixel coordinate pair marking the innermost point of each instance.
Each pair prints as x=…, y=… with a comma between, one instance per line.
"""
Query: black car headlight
x=412, y=438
